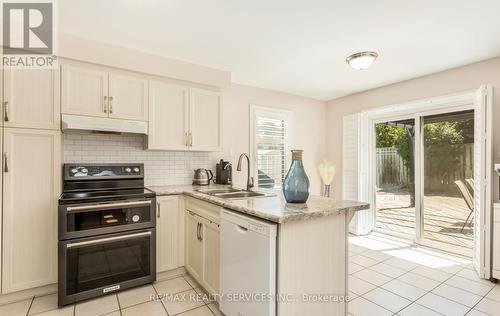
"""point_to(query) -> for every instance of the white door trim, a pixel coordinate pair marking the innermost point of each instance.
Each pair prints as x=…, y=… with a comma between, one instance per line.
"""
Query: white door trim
x=448, y=103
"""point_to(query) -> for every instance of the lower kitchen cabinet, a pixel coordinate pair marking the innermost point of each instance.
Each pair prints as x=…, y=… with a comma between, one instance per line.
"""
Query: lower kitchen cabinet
x=31, y=168
x=194, y=245
x=169, y=233
x=211, y=235
x=202, y=250
x=496, y=241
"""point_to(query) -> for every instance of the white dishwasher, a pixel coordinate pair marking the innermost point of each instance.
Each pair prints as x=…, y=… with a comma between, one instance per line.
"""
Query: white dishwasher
x=247, y=266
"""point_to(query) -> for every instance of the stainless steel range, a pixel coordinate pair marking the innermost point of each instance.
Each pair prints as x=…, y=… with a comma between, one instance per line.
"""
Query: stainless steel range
x=107, y=236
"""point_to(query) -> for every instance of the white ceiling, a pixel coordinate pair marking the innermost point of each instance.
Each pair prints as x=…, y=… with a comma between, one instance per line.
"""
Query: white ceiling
x=297, y=46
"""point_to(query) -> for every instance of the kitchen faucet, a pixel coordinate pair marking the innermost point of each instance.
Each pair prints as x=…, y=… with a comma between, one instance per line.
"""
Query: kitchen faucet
x=238, y=168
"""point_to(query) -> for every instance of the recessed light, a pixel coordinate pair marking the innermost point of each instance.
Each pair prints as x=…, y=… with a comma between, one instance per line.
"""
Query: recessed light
x=361, y=60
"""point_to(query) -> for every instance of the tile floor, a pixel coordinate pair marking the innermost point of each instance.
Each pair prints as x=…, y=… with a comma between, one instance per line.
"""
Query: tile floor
x=187, y=299
x=389, y=276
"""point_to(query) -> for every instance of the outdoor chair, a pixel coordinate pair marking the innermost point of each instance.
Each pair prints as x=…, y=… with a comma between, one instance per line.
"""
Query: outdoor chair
x=466, y=194
x=470, y=186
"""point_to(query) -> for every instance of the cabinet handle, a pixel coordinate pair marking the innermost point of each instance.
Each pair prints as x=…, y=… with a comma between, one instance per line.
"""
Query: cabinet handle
x=105, y=107
x=198, y=231
x=159, y=210
x=190, y=139
x=201, y=232
x=6, y=111
x=111, y=105
x=6, y=164
x=186, y=139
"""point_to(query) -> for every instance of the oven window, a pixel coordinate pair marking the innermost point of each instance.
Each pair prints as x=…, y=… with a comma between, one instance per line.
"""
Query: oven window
x=103, y=264
x=108, y=217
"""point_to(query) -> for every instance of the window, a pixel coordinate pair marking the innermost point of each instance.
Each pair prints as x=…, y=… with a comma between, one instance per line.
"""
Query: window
x=270, y=146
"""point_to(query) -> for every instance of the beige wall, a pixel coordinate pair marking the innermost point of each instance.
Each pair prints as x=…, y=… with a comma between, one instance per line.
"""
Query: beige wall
x=447, y=82
x=307, y=133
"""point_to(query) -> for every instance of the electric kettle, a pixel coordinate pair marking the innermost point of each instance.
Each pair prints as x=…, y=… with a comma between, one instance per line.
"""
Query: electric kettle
x=202, y=176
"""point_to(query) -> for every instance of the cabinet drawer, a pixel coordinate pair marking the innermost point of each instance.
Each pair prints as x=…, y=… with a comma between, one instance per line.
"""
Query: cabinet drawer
x=204, y=209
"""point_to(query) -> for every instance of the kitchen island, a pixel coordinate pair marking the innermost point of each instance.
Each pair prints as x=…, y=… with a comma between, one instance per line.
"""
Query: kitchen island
x=312, y=247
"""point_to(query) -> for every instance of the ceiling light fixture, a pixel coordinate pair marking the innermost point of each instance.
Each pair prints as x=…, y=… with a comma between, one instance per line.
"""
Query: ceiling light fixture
x=361, y=60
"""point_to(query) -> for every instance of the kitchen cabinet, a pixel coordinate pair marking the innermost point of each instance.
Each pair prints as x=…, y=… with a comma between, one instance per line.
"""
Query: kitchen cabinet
x=202, y=243
x=496, y=241
x=128, y=97
x=169, y=241
x=97, y=92
x=211, y=233
x=183, y=118
x=31, y=187
x=31, y=99
x=205, y=112
x=168, y=116
x=194, y=245
x=84, y=91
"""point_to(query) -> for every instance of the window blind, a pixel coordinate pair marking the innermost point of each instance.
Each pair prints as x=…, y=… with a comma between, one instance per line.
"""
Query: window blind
x=271, y=149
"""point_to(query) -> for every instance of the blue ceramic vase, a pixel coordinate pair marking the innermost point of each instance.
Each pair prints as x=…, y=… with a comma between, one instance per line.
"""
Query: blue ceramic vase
x=296, y=184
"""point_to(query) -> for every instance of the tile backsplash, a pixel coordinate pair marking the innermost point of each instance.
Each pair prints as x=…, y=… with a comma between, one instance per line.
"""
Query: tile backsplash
x=160, y=167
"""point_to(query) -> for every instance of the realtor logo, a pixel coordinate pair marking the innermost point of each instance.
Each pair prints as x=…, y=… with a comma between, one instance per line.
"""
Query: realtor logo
x=28, y=35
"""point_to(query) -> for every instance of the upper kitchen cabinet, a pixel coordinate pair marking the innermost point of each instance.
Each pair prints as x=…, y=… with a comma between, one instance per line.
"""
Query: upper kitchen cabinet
x=168, y=116
x=31, y=99
x=31, y=168
x=128, y=97
x=99, y=92
x=205, y=120
x=182, y=118
x=84, y=91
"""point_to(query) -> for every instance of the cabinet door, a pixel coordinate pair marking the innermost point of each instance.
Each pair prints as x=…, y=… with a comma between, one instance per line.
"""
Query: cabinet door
x=496, y=250
x=128, y=97
x=168, y=116
x=211, y=235
x=194, y=246
x=206, y=120
x=31, y=98
x=32, y=174
x=167, y=232
x=84, y=91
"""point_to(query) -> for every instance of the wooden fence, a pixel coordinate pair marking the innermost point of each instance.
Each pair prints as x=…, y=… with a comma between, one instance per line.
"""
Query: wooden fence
x=390, y=168
x=392, y=172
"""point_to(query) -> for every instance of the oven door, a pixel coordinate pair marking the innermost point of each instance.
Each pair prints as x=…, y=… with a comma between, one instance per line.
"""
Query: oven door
x=90, y=267
x=90, y=219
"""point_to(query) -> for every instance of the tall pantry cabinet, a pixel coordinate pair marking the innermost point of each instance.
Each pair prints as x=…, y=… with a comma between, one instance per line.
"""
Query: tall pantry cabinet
x=31, y=177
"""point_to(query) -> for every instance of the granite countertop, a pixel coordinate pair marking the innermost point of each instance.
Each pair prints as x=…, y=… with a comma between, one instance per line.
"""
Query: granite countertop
x=272, y=207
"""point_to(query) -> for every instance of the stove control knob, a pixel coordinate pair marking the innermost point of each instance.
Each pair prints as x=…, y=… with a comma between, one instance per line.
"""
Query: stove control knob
x=128, y=170
x=74, y=170
x=136, y=170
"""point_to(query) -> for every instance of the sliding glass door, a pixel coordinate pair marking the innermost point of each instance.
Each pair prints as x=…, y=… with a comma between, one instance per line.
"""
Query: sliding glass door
x=395, y=180
x=448, y=179
x=424, y=179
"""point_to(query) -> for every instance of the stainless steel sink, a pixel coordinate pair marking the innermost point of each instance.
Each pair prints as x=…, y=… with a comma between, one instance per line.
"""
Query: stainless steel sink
x=218, y=191
x=239, y=195
x=231, y=193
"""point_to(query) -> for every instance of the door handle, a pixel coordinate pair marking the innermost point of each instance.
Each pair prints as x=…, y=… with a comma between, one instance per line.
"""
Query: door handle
x=201, y=232
x=6, y=111
x=107, y=205
x=108, y=239
x=159, y=210
x=111, y=105
x=5, y=162
x=105, y=109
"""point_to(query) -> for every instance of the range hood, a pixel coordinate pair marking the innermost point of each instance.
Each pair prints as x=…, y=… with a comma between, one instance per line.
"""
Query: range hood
x=101, y=124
